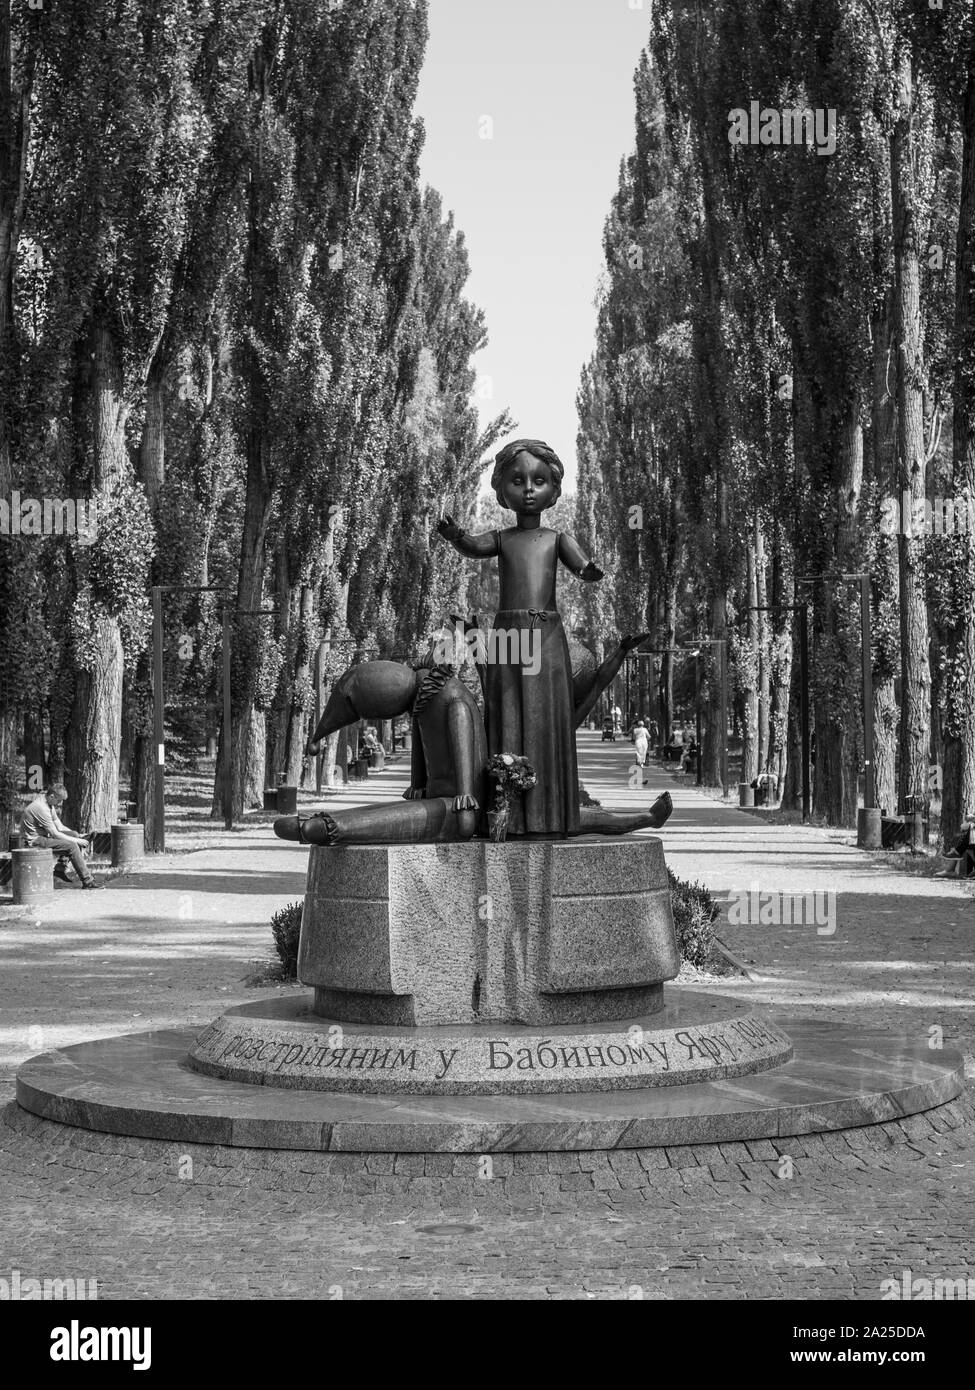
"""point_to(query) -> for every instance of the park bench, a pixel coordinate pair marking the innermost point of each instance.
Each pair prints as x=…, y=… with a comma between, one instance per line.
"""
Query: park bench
x=901, y=830
x=893, y=832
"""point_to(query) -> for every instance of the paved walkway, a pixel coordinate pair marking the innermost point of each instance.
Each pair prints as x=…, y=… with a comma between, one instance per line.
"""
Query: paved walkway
x=811, y=1218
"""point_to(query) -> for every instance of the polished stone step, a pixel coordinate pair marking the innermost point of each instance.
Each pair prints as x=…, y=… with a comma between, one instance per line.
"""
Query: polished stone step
x=839, y=1077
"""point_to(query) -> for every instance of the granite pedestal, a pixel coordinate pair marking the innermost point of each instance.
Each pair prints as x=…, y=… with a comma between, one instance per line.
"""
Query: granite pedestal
x=535, y=932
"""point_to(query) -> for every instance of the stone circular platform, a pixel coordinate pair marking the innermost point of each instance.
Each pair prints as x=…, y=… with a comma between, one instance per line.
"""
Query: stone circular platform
x=839, y=1077
x=284, y=1043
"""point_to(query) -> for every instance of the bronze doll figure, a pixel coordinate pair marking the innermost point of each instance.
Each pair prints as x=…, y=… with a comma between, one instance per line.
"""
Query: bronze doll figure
x=529, y=705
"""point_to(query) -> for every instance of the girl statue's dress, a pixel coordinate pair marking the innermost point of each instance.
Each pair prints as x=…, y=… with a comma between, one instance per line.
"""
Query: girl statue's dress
x=529, y=704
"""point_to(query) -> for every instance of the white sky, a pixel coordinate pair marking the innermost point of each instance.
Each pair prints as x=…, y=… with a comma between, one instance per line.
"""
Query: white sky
x=556, y=79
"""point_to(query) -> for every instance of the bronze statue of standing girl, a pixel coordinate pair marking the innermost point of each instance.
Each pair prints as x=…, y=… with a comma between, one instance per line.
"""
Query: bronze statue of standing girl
x=530, y=709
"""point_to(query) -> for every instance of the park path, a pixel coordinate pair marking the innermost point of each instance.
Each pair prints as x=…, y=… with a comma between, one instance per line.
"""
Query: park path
x=171, y=944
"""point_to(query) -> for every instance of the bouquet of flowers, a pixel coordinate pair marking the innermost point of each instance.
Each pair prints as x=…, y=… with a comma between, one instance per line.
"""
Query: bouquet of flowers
x=513, y=775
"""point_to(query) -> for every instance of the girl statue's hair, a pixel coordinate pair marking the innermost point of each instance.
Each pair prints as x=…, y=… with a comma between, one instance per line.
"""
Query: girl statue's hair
x=539, y=450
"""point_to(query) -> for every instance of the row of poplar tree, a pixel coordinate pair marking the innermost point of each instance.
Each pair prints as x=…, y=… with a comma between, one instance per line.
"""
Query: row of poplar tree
x=233, y=319
x=786, y=346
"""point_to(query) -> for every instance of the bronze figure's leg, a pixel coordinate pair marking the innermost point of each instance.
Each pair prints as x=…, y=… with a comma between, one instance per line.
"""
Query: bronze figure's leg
x=406, y=822
x=593, y=820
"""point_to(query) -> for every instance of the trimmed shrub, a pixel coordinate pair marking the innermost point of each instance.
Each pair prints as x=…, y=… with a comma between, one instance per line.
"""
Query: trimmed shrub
x=286, y=929
x=695, y=913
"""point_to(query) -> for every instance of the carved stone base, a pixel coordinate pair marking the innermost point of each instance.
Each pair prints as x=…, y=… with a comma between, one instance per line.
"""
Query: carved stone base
x=281, y=1042
x=535, y=932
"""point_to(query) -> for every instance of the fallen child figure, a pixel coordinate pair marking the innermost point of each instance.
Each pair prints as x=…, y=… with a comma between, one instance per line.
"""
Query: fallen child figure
x=448, y=785
x=362, y=825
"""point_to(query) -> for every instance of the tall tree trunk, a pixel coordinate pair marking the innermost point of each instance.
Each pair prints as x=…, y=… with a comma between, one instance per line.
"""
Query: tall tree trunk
x=299, y=713
x=94, y=731
x=248, y=748
x=247, y=740
x=285, y=601
x=717, y=441
x=781, y=662
x=334, y=769
x=885, y=587
x=958, y=713
x=152, y=447
x=780, y=669
x=835, y=657
x=848, y=555
x=749, y=674
x=667, y=662
x=14, y=134
x=289, y=719
x=791, y=782
x=719, y=695
x=762, y=636
x=152, y=475
x=936, y=750
x=915, y=672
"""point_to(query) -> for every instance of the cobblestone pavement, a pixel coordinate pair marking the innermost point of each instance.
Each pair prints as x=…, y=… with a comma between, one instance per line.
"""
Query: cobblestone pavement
x=813, y=1218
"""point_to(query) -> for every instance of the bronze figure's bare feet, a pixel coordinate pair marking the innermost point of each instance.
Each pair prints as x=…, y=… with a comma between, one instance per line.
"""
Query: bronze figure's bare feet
x=661, y=809
x=319, y=829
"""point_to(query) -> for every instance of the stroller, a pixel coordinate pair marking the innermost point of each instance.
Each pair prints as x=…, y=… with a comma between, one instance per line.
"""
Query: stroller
x=609, y=730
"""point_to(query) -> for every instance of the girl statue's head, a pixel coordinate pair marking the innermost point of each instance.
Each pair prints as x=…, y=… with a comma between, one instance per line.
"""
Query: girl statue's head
x=527, y=467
